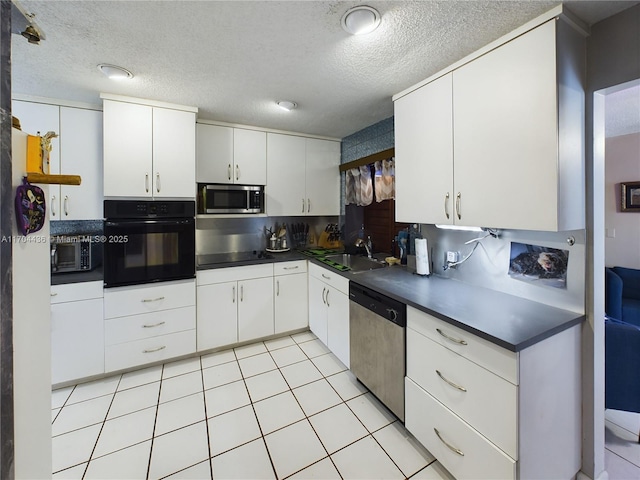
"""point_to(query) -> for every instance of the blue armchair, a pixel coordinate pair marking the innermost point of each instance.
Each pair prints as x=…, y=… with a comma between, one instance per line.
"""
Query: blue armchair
x=622, y=339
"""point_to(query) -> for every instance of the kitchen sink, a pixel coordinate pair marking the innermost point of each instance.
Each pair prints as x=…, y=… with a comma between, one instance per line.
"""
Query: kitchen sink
x=357, y=263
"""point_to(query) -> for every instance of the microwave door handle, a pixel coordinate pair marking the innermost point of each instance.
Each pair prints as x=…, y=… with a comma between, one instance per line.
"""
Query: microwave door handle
x=54, y=259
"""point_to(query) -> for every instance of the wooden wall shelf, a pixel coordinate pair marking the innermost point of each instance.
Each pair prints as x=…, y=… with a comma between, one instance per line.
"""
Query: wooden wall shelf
x=36, y=177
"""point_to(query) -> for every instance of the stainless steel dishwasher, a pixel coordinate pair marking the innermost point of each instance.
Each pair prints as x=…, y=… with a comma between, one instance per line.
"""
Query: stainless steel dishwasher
x=377, y=344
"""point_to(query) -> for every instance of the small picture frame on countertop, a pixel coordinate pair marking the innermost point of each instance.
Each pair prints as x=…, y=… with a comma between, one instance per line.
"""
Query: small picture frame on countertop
x=630, y=195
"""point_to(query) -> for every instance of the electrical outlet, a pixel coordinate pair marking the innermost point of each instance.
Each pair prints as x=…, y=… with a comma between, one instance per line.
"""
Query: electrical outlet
x=453, y=257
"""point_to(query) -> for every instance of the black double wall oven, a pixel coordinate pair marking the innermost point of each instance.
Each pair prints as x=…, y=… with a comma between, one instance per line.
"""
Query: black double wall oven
x=148, y=241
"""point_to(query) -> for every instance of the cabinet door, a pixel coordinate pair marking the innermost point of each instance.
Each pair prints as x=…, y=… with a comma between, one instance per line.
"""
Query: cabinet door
x=127, y=149
x=81, y=154
x=43, y=118
x=506, y=134
x=255, y=308
x=322, y=177
x=424, y=154
x=250, y=157
x=77, y=340
x=291, y=304
x=174, y=153
x=318, y=308
x=338, y=324
x=214, y=153
x=217, y=315
x=285, y=191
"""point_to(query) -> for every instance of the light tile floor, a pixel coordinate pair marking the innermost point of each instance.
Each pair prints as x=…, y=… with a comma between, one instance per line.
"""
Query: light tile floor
x=622, y=450
x=284, y=408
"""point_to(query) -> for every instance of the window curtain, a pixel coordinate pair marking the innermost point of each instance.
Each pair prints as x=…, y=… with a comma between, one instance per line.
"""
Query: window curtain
x=385, y=180
x=359, y=186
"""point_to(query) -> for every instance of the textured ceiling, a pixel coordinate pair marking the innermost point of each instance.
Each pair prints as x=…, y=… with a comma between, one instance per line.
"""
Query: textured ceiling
x=234, y=59
x=622, y=111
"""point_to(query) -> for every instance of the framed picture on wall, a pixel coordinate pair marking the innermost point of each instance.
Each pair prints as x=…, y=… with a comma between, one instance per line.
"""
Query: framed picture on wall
x=630, y=194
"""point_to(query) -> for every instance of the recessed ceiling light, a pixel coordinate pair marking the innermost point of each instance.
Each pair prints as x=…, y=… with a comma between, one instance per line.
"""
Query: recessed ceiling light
x=360, y=20
x=114, y=72
x=287, y=105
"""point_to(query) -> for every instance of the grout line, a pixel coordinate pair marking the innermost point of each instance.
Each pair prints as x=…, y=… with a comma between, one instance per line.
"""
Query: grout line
x=155, y=420
x=206, y=419
x=106, y=415
x=264, y=440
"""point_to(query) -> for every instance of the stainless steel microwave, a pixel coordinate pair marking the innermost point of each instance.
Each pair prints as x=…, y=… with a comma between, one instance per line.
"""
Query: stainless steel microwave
x=230, y=199
x=75, y=253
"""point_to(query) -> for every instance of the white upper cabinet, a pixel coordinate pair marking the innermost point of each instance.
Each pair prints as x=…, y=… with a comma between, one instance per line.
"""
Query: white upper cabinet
x=286, y=166
x=231, y=155
x=424, y=147
x=249, y=157
x=518, y=134
x=149, y=151
x=76, y=151
x=303, y=176
x=174, y=153
x=322, y=177
x=81, y=154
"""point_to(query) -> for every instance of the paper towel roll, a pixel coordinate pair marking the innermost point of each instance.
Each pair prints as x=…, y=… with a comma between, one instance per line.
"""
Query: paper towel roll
x=422, y=256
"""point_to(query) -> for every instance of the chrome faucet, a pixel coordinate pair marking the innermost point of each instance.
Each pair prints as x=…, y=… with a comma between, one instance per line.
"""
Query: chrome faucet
x=368, y=245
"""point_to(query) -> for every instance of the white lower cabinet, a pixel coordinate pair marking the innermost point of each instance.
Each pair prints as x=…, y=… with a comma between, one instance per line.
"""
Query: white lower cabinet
x=77, y=339
x=329, y=310
x=291, y=296
x=234, y=305
x=149, y=323
x=489, y=413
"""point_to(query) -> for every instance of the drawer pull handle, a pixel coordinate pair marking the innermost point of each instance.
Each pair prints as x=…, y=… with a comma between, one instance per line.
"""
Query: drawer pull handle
x=456, y=340
x=291, y=268
x=449, y=446
x=325, y=276
x=147, y=300
x=154, y=325
x=277, y=288
x=454, y=385
x=151, y=350
x=54, y=294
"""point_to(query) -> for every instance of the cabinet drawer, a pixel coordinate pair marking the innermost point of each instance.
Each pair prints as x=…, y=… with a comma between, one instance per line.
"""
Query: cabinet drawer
x=131, y=354
x=483, y=399
x=72, y=292
x=288, y=268
x=496, y=359
x=147, y=325
x=478, y=458
x=234, y=274
x=125, y=301
x=330, y=277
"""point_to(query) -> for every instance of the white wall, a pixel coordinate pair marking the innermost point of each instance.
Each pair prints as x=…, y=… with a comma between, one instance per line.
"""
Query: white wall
x=622, y=164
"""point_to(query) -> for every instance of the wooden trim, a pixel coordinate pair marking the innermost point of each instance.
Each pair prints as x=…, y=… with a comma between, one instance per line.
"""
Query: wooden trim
x=383, y=155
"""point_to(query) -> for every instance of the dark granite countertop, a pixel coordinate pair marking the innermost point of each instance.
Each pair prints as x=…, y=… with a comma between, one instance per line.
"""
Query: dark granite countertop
x=511, y=322
x=94, y=275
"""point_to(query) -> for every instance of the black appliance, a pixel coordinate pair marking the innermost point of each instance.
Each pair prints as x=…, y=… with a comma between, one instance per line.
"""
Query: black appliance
x=148, y=241
x=219, y=198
